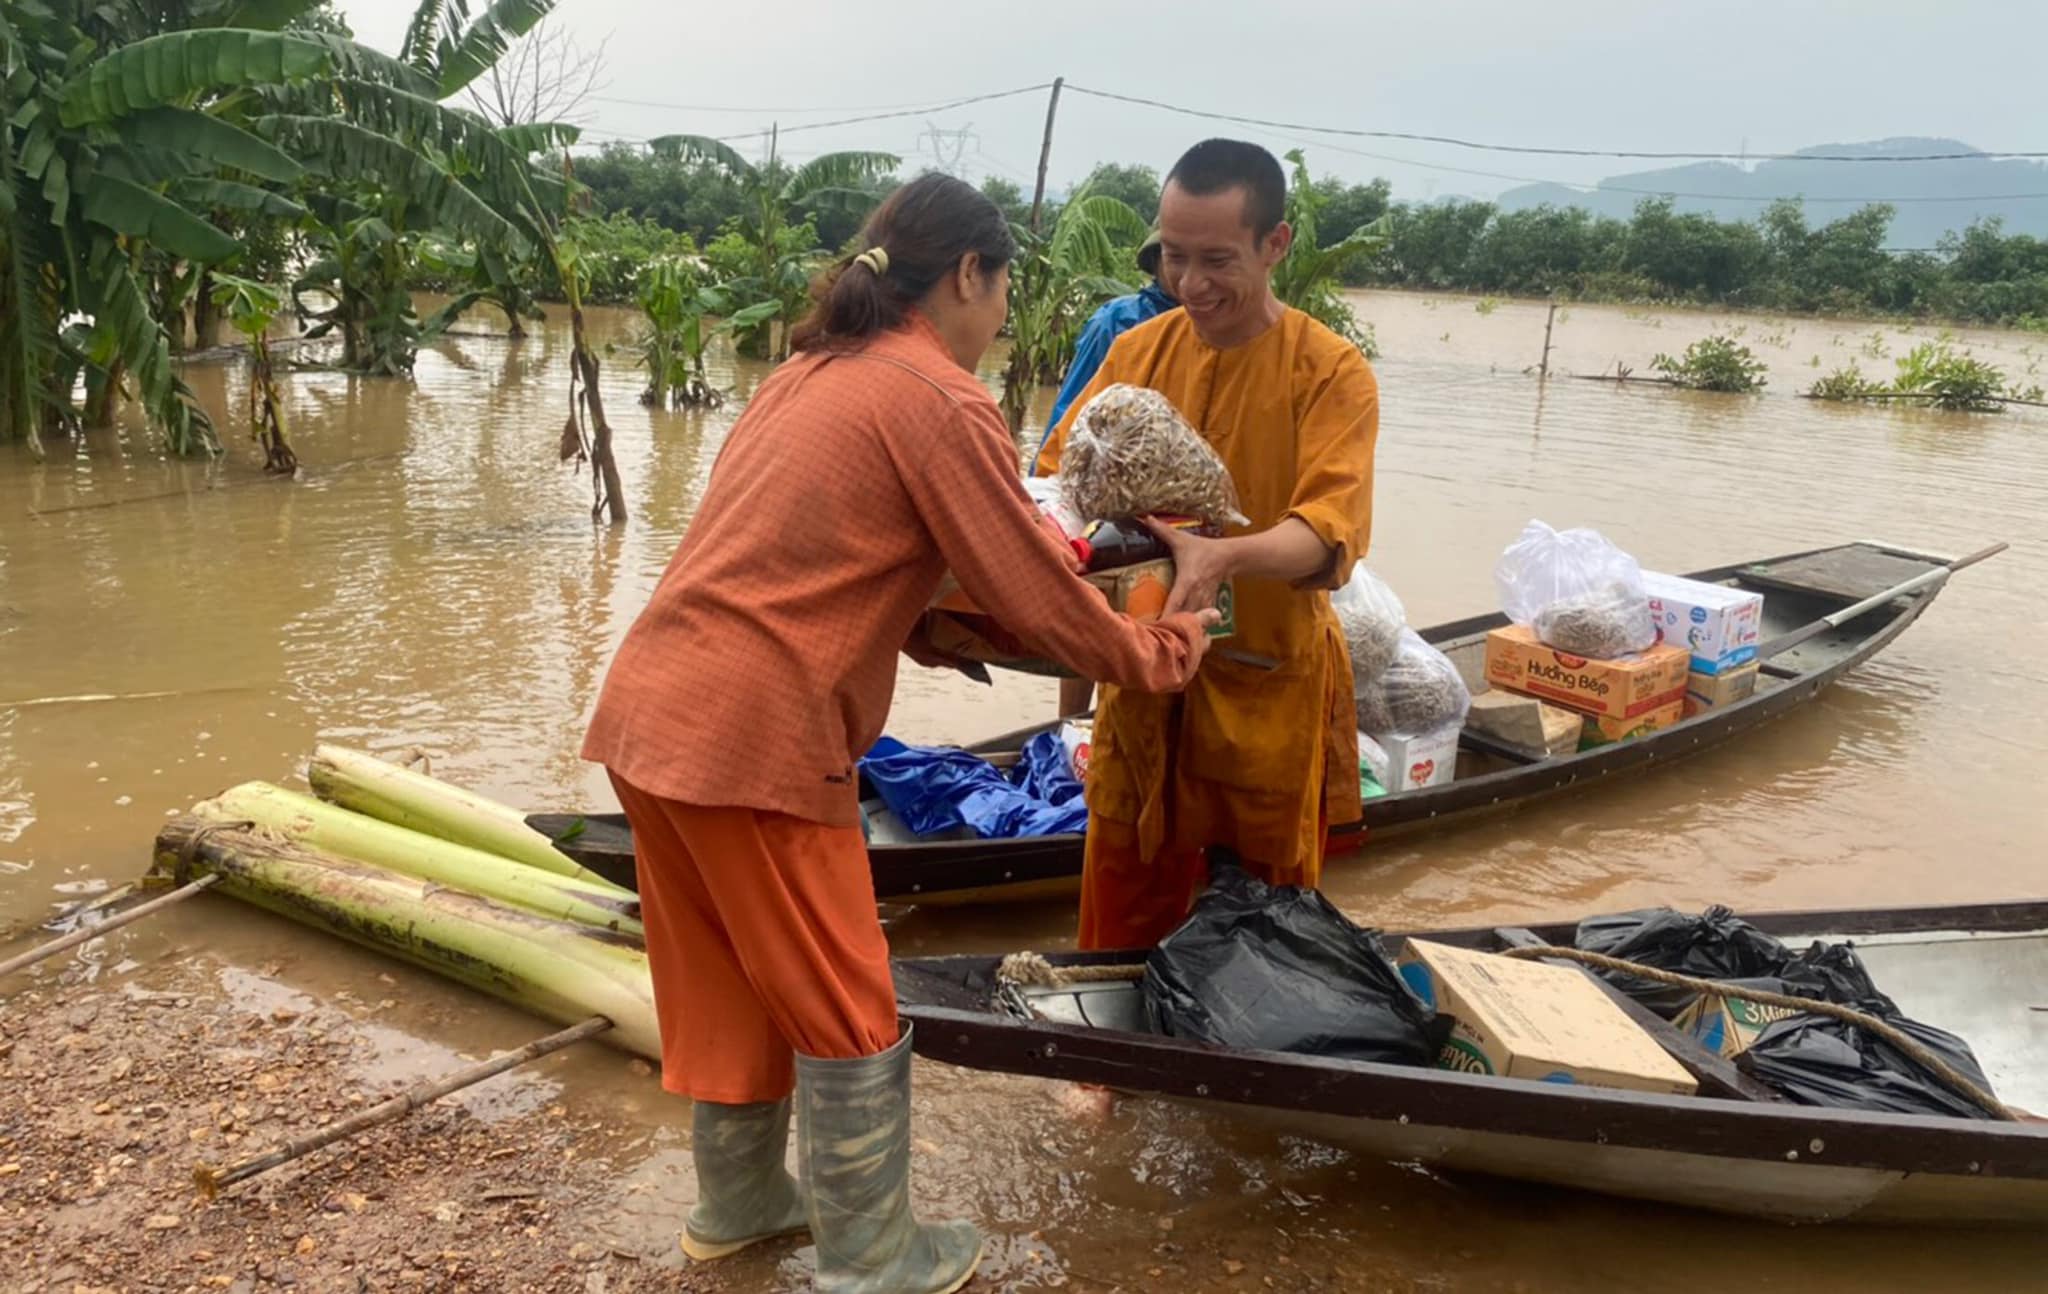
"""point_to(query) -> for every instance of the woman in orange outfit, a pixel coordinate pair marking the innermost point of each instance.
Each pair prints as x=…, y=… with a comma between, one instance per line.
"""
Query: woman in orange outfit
x=865, y=469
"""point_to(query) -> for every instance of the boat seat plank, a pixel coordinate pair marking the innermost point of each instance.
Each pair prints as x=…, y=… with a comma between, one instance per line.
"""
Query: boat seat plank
x=1488, y=744
x=1852, y=573
x=1715, y=1074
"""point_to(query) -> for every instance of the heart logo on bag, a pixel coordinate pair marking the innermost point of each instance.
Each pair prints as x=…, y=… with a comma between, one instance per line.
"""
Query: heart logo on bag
x=1421, y=771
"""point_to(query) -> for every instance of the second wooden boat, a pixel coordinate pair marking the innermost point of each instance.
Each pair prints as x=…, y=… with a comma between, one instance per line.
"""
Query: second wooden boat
x=1825, y=612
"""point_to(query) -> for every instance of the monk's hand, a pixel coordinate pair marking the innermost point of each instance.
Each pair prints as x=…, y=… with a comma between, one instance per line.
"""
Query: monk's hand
x=1199, y=567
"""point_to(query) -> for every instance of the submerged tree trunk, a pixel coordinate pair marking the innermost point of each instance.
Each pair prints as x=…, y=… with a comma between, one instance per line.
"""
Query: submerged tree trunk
x=267, y=412
x=101, y=398
x=611, y=492
x=1018, y=385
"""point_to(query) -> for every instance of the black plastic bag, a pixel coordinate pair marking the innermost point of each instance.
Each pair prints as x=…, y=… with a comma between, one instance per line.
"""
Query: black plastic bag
x=1279, y=968
x=1818, y=1060
x=1717, y=944
x=1834, y=973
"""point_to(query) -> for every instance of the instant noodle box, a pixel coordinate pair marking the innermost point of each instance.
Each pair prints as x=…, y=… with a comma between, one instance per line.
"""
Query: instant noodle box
x=1524, y=1019
x=1727, y=1025
x=1599, y=730
x=957, y=626
x=1616, y=689
x=1712, y=691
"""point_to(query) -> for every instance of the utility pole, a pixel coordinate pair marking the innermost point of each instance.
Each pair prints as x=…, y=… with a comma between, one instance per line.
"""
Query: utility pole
x=1052, y=108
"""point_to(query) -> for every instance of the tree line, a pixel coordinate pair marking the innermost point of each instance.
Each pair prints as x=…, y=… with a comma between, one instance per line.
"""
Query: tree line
x=1781, y=260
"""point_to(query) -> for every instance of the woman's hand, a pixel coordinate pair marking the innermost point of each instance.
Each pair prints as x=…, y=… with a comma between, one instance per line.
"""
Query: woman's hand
x=1199, y=567
x=1065, y=541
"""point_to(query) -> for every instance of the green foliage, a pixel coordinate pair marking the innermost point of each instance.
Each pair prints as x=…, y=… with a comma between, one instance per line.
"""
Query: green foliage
x=615, y=247
x=679, y=305
x=1951, y=379
x=146, y=148
x=1845, y=383
x=1714, y=364
x=1008, y=196
x=1137, y=187
x=1309, y=278
x=1057, y=280
x=764, y=260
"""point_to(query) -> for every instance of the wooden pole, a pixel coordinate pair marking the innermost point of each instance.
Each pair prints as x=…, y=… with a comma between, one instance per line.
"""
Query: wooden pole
x=1543, y=371
x=98, y=928
x=212, y=1180
x=1052, y=107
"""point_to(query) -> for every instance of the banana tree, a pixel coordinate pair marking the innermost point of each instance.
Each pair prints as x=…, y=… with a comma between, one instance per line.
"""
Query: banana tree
x=106, y=166
x=124, y=147
x=774, y=271
x=683, y=315
x=1059, y=277
x=252, y=308
x=1310, y=277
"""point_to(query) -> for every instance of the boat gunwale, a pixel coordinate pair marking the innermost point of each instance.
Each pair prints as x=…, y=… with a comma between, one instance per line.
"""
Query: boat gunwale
x=1712, y=1126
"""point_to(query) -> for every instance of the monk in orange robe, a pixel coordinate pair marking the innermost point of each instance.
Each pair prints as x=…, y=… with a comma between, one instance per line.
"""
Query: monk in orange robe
x=1258, y=759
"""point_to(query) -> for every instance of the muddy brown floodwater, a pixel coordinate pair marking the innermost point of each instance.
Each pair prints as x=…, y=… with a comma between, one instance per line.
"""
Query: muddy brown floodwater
x=167, y=628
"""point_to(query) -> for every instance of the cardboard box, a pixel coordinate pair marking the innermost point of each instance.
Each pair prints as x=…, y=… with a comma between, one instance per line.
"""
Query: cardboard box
x=1599, y=730
x=1525, y=1019
x=1415, y=762
x=1712, y=691
x=1619, y=689
x=1535, y=726
x=1720, y=626
x=960, y=627
x=1725, y=1025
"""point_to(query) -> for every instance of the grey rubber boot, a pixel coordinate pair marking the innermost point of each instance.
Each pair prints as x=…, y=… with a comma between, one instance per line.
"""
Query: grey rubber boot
x=744, y=1194
x=853, y=1140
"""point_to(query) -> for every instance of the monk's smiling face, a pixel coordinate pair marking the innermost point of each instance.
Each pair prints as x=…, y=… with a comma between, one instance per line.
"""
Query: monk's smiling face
x=1217, y=264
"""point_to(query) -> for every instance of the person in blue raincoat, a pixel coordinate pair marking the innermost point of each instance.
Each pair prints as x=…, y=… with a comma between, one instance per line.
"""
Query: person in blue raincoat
x=1107, y=324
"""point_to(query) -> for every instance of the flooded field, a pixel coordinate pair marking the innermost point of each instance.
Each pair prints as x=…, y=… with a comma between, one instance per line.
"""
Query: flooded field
x=434, y=581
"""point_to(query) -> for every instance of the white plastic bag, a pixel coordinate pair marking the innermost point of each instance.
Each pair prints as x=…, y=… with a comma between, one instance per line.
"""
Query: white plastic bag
x=1045, y=492
x=1579, y=586
x=1421, y=691
x=1372, y=618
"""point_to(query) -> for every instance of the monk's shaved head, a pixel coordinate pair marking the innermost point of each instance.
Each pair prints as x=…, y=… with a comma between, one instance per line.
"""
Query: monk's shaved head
x=1216, y=165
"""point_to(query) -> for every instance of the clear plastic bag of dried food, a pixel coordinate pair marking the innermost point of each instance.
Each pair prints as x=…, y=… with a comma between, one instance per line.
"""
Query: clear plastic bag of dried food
x=1371, y=618
x=1576, y=585
x=1130, y=453
x=1608, y=622
x=1420, y=691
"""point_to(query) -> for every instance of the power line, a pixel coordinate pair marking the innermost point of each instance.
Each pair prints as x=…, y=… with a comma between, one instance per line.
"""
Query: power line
x=1454, y=142
x=885, y=116
x=755, y=110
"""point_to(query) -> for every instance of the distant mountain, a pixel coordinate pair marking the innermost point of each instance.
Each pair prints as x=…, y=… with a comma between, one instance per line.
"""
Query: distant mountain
x=1969, y=190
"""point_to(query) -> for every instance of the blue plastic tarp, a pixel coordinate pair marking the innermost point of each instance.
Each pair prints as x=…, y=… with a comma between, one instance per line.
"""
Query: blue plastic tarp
x=937, y=789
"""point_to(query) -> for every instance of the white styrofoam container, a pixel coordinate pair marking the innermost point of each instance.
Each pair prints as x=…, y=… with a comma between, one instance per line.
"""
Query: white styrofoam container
x=1720, y=626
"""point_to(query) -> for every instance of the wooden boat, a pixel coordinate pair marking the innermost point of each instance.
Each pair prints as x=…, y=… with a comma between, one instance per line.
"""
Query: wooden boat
x=1825, y=612
x=1734, y=1148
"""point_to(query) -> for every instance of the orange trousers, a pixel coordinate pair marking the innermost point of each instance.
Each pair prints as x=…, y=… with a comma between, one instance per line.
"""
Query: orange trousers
x=1127, y=902
x=763, y=940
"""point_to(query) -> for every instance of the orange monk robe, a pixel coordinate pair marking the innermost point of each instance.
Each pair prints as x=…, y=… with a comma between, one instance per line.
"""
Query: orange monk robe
x=1257, y=760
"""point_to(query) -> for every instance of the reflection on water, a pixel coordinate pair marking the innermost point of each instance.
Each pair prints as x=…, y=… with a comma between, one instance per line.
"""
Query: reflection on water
x=434, y=580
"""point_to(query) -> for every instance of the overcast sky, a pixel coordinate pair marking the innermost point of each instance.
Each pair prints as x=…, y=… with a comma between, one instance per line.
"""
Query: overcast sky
x=1768, y=75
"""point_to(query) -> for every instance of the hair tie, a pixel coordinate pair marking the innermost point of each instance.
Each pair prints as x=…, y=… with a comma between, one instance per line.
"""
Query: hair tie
x=876, y=259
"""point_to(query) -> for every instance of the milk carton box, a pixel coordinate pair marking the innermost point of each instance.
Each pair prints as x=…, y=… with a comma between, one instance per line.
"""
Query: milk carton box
x=1720, y=626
